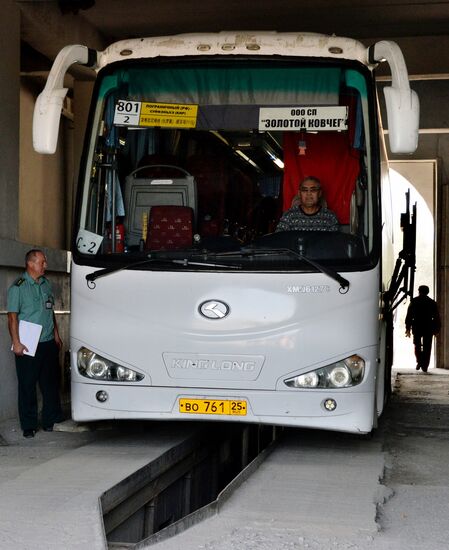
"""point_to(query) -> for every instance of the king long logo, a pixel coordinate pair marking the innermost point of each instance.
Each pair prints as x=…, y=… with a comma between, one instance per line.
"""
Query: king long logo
x=214, y=309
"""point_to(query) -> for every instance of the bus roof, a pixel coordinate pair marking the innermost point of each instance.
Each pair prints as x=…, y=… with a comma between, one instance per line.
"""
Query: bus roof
x=236, y=43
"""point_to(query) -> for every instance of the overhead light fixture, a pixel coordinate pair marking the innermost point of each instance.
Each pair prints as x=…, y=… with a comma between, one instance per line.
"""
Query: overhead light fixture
x=248, y=160
x=276, y=160
x=219, y=136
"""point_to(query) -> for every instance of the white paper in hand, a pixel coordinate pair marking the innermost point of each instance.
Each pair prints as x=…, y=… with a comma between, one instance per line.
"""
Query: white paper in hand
x=29, y=334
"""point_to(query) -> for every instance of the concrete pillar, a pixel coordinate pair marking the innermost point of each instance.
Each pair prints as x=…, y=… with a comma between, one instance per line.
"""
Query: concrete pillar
x=9, y=118
x=9, y=187
x=442, y=235
x=16, y=199
x=436, y=146
x=434, y=99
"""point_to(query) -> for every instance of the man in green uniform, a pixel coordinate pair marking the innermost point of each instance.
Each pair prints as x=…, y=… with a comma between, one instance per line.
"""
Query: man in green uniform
x=30, y=298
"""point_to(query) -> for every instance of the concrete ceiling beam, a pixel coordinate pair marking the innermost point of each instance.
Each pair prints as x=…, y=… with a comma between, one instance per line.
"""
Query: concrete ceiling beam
x=47, y=30
x=422, y=54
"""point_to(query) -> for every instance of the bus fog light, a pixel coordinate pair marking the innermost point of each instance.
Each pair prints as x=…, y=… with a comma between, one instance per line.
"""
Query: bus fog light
x=330, y=404
x=102, y=396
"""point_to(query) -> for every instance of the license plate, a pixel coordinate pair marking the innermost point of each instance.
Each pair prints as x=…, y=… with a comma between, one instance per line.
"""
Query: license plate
x=213, y=406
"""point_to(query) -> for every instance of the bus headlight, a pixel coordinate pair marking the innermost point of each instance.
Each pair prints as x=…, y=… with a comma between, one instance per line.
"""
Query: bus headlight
x=340, y=377
x=94, y=366
x=342, y=374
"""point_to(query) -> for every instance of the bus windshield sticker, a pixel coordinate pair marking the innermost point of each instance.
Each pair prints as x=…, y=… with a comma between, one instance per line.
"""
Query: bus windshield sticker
x=88, y=242
x=165, y=115
x=312, y=119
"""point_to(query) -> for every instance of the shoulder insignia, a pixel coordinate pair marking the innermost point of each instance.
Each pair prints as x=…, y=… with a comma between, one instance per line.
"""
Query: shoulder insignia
x=19, y=281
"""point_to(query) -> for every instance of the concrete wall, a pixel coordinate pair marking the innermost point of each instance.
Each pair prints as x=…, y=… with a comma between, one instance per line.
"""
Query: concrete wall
x=9, y=190
x=434, y=119
x=32, y=201
x=437, y=146
x=36, y=200
x=41, y=192
x=9, y=118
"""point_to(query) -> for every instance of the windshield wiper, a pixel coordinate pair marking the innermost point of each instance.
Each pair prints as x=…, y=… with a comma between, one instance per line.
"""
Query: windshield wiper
x=242, y=252
x=344, y=283
x=91, y=277
x=186, y=262
x=251, y=251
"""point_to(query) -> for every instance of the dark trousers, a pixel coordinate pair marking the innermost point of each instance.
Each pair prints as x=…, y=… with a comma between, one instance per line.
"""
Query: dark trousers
x=42, y=369
x=423, y=347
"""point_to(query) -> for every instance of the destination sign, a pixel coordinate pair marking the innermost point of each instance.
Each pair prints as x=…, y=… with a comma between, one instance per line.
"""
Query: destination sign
x=303, y=118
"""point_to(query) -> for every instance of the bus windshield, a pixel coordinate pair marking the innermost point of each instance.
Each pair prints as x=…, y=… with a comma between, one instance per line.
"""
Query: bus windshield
x=193, y=164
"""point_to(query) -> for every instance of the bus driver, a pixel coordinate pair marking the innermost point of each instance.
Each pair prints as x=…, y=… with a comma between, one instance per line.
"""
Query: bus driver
x=308, y=211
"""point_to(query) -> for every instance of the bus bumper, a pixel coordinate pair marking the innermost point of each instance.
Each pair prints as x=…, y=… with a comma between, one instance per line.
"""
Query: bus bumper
x=354, y=410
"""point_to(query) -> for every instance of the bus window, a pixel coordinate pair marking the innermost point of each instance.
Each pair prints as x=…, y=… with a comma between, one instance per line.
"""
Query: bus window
x=191, y=136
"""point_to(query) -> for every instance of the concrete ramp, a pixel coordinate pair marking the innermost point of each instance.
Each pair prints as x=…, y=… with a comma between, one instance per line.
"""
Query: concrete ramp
x=55, y=504
x=314, y=485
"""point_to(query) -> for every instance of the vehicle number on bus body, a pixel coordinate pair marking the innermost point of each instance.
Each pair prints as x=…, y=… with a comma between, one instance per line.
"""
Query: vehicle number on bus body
x=209, y=406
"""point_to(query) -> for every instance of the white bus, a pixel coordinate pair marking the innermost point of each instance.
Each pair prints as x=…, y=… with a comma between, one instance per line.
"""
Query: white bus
x=186, y=302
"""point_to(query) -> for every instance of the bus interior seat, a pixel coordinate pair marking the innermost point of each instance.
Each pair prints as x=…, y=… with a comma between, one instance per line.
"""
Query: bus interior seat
x=144, y=193
x=170, y=227
x=157, y=166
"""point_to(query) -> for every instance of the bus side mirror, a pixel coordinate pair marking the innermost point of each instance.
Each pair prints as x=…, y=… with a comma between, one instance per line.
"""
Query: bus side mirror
x=402, y=103
x=48, y=107
x=46, y=118
x=403, y=119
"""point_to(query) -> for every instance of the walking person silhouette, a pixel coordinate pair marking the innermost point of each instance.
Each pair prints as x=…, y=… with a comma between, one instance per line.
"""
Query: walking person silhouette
x=423, y=320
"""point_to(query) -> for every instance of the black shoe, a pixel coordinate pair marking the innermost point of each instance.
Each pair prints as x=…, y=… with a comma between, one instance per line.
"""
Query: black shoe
x=48, y=428
x=417, y=367
x=28, y=433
